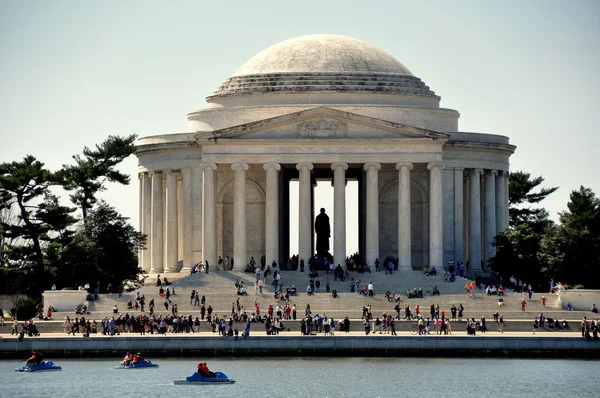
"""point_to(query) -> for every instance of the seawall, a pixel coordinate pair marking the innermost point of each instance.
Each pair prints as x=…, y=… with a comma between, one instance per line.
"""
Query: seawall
x=434, y=346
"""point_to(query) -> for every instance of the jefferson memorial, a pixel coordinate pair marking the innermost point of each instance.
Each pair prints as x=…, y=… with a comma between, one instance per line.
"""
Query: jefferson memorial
x=322, y=109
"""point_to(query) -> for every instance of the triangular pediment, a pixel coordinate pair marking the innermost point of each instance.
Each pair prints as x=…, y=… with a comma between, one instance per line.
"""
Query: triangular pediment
x=322, y=123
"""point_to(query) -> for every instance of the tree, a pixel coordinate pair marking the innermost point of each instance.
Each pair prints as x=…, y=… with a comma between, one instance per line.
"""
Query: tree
x=23, y=185
x=35, y=221
x=520, y=187
x=104, y=249
x=90, y=172
x=572, y=249
x=518, y=247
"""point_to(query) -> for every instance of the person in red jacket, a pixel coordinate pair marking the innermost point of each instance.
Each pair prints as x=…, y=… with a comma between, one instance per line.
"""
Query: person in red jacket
x=204, y=371
x=35, y=359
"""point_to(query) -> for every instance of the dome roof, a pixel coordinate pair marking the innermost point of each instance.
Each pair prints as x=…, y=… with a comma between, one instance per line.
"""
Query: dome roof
x=322, y=53
x=323, y=63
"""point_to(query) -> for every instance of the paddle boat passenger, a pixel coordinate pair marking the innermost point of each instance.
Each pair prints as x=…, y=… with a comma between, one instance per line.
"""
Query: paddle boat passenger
x=137, y=358
x=127, y=360
x=35, y=359
x=204, y=371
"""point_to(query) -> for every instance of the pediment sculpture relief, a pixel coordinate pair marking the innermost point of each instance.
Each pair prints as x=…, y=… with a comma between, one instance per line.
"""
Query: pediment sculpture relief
x=322, y=128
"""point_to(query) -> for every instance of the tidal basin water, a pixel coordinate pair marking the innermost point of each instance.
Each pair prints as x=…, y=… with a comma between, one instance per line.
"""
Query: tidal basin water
x=312, y=377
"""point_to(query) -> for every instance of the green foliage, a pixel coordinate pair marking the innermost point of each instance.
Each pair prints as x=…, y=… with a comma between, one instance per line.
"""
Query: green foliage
x=104, y=249
x=39, y=239
x=89, y=173
x=25, y=308
x=521, y=193
x=572, y=250
x=518, y=247
x=24, y=188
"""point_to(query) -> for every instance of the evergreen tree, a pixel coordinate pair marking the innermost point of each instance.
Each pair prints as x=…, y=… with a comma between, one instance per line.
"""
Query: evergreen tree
x=104, y=250
x=24, y=189
x=572, y=250
x=518, y=247
x=520, y=187
x=90, y=172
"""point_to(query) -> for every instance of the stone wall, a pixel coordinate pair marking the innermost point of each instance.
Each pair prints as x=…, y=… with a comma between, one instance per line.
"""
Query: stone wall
x=339, y=345
x=581, y=299
x=63, y=300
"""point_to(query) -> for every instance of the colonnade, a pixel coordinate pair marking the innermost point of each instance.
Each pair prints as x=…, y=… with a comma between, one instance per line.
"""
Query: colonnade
x=494, y=212
x=166, y=203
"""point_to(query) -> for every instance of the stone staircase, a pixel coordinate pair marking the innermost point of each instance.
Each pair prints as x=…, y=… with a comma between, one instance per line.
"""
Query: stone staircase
x=219, y=290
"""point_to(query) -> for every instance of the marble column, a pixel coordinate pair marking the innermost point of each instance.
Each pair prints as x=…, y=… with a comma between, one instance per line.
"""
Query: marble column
x=507, y=200
x=339, y=212
x=404, y=220
x=489, y=211
x=145, y=219
x=272, y=213
x=436, y=222
x=458, y=213
x=239, y=215
x=305, y=250
x=179, y=220
x=156, y=261
x=171, y=242
x=209, y=233
x=372, y=220
x=141, y=218
x=501, y=201
x=475, y=220
x=186, y=198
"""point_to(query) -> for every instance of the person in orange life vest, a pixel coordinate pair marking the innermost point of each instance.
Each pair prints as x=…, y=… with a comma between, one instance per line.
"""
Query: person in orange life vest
x=204, y=371
x=35, y=359
x=127, y=360
x=138, y=358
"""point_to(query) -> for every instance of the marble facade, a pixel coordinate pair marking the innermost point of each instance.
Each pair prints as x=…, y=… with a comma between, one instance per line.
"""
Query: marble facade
x=431, y=193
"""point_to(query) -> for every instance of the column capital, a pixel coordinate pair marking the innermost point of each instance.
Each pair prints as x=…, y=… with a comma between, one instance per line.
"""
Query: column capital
x=343, y=166
x=208, y=166
x=459, y=169
x=274, y=166
x=239, y=166
x=153, y=173
x=300, y=166
x=169, y=172
x=474, y=172
x=503, y=173
x=186, y=170
x=494, y=172
x=141, y=175
x=433, y=165
x=373, y=166
x=400, y=165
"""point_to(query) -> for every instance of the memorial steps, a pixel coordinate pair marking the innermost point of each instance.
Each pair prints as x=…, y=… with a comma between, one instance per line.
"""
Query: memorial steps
x=219, y=290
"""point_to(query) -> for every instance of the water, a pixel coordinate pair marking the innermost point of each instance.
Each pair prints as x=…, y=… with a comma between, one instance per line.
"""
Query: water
x=312, y=377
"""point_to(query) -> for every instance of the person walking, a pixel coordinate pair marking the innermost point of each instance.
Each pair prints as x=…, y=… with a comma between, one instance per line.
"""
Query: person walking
x=393, y=326
x=501, y=321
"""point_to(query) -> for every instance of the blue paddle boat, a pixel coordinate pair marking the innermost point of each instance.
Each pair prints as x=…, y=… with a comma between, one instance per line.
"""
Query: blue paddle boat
x=140, y=365
x=196, y=378
x=40, y=367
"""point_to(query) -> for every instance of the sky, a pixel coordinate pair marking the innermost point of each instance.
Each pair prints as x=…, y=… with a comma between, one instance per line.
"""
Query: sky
x=74, y=72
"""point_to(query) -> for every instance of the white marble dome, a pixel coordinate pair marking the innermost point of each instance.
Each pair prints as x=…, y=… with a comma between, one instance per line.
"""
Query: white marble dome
x=322, y=53
x=323, y=64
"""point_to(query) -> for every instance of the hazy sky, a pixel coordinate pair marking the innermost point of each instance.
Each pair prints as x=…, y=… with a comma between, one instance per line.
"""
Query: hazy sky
x=73, y=72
